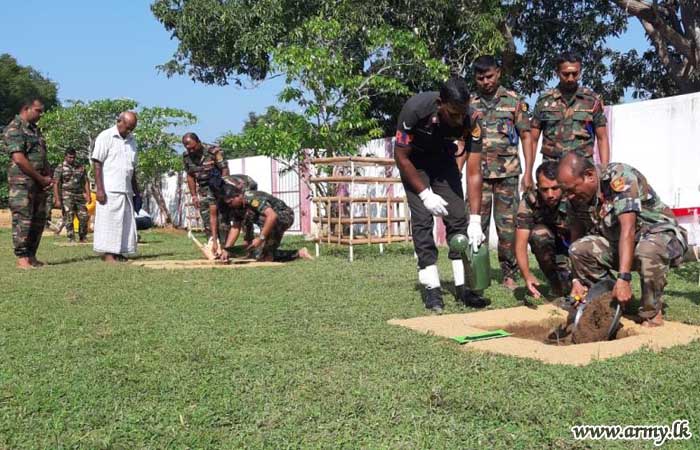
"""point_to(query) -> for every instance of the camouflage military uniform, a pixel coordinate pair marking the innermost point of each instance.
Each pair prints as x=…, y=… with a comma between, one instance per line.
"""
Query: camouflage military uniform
x=244, y=183
x=27, y=199
x=201, y=166
x=71, y=181
x=568, y=124
x=659, y=241
x=256, y=204
x=503, y=118
x=549, y=238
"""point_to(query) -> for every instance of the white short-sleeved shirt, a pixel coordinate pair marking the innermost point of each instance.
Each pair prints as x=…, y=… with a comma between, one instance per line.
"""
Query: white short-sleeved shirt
x=118, y=158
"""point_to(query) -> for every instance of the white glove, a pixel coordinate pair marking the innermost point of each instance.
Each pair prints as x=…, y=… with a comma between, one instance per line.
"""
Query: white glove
x=433, y=202
x=474, y=233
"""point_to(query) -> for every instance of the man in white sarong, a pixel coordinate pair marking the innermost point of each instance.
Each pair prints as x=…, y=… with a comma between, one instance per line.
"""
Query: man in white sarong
x=114, y=158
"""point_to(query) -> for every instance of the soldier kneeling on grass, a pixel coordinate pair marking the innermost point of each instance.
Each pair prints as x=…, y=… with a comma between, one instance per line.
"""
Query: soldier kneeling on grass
x=542, y=221
x=271, y=214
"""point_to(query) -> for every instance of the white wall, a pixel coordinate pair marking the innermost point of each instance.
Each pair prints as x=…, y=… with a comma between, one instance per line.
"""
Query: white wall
x=661, y=138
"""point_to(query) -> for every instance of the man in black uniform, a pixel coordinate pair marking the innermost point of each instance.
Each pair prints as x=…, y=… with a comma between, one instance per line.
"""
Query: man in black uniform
x=434, y=138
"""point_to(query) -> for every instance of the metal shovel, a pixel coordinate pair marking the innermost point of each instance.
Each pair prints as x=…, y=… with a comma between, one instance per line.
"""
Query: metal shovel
x=598, y=289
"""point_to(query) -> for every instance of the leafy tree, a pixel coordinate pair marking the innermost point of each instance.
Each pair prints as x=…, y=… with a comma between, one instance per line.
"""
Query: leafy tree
x=673, y=66
x=157, y=149
x=241, y=37
x=78, y=124
x=332, y=89
x=17, y=84
x=276, y=133
x=543, y=28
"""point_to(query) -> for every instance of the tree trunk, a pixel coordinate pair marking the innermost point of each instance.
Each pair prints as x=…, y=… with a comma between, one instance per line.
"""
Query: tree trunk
x=158, y=194
x=178, y=201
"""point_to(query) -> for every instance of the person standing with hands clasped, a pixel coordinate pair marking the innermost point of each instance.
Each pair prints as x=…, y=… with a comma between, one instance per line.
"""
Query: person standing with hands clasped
x=29, y=179
x=114, y=157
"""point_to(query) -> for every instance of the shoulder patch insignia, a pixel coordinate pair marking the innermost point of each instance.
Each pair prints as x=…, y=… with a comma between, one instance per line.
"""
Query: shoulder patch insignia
x=403, y=138
x=523, y=106
x=476, y=131
x=618, y=185
x=255, y=203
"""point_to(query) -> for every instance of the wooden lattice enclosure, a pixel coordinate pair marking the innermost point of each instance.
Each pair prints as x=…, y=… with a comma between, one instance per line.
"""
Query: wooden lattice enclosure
x=344, y=218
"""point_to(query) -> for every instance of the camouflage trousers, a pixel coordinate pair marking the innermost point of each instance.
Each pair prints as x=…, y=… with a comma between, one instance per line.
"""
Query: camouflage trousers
x=206, y=199
x=74, y=206
x=593, y=258
x=28, y=207
x=552, y=256
x=285, y=219
x=501, y=194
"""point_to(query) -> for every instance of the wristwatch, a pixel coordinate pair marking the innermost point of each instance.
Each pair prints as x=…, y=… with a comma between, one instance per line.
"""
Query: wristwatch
x=624, y=276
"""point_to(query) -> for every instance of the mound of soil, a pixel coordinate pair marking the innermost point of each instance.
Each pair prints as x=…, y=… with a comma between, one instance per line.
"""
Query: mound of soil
x=595, y=320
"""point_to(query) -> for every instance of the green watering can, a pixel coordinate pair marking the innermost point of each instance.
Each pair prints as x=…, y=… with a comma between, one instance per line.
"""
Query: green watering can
x=477, y=267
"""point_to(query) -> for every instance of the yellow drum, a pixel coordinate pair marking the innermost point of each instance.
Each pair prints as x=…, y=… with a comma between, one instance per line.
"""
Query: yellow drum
x=90, y=209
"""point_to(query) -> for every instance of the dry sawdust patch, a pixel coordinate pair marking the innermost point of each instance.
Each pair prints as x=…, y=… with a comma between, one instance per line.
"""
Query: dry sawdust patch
x=632, y=337
x=5, y=218
x=175, y=264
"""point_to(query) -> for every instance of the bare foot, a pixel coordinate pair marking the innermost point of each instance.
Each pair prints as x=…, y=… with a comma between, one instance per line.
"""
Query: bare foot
x=656, y=321
x=24, y=263
x=510, y=283
x=110, y=258
x=304, y=254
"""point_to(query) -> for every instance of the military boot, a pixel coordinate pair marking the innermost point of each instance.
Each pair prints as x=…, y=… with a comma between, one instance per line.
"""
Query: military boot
x=433, y=299
x=470, y=298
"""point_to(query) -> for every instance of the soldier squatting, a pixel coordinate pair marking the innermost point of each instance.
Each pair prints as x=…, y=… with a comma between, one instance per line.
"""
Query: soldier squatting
x=585, y=222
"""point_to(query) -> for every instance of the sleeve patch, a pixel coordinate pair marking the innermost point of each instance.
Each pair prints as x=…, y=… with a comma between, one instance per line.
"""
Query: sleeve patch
x=476, y=131
x=403, y=138
x=618, y=185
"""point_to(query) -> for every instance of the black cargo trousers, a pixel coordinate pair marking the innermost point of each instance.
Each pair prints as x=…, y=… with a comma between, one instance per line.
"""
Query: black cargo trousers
x=443, y=177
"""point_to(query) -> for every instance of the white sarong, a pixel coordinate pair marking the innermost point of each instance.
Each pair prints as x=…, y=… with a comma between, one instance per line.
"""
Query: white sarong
x=115, y=225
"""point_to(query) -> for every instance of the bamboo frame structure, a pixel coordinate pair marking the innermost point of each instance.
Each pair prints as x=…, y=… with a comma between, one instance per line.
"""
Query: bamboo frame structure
x=336, y=218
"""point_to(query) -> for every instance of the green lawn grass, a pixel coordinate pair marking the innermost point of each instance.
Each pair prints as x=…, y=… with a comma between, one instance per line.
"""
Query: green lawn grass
x=97, y=356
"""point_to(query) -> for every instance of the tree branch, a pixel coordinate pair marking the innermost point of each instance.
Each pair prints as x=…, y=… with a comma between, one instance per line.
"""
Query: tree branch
x=508, y=57
x=675, y=70
x=649, y=14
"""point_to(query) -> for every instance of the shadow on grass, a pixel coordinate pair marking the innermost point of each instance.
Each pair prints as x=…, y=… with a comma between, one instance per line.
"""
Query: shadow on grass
x=97, y=257
x=693, y=297
x=73, y=260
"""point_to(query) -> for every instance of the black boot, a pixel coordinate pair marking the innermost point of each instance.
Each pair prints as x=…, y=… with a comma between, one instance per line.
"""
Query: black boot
x=433, y=299
x=470, y=298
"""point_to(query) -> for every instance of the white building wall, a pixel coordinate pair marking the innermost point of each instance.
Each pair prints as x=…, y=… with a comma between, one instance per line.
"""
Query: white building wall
x=661, y=138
